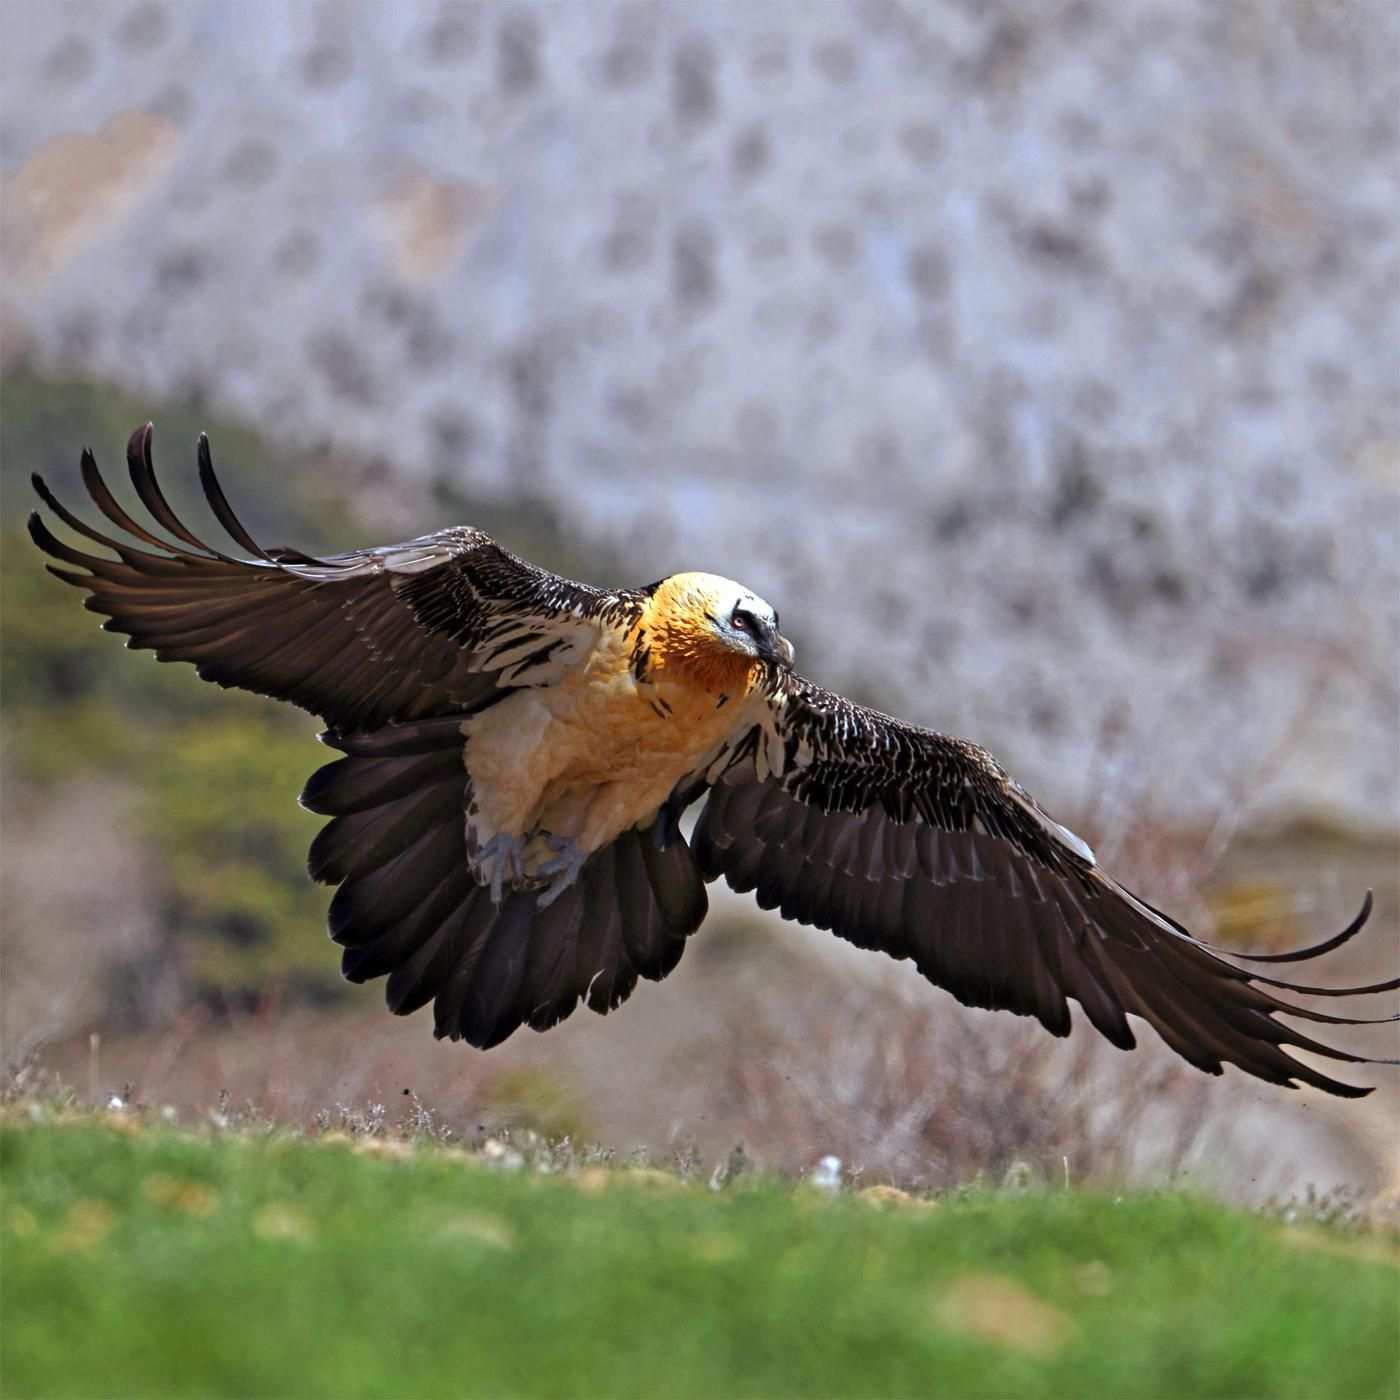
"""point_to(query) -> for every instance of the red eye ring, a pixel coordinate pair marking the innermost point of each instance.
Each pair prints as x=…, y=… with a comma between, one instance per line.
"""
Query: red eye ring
x=738, y=624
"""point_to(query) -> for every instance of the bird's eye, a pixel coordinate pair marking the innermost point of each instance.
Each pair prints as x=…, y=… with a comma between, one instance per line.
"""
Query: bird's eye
x=739, y=622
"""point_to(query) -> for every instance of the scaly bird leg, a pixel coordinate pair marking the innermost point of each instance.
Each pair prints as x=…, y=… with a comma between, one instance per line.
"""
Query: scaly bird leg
x=504, y=854
x=565, y=867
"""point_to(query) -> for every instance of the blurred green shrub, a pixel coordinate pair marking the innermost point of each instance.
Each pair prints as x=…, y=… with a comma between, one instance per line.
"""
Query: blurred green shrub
x=218, y=806
x=537, y=1099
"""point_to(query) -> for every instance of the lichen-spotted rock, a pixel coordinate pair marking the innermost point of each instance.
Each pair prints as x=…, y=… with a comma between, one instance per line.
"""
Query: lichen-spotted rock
x=1039, y=359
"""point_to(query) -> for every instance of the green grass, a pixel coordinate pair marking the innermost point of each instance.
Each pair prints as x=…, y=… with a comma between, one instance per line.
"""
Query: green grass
x=154, y=1262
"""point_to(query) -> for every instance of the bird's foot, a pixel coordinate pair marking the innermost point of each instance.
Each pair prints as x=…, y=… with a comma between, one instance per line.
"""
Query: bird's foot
x=564, y=869
x=502, y=858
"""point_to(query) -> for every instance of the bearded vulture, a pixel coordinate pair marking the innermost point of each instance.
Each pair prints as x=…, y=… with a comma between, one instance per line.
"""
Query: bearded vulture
x=518, y=750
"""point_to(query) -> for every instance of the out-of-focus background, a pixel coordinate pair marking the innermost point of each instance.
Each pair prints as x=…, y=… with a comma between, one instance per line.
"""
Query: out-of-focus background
x=1039, y=362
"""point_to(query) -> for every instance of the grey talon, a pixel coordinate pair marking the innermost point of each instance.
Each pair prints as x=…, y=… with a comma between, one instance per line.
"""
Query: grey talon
x=565, y=868
x=505, y=854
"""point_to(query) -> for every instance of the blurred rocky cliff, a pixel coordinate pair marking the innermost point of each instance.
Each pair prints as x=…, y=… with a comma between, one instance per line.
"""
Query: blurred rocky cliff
x=1038, y=361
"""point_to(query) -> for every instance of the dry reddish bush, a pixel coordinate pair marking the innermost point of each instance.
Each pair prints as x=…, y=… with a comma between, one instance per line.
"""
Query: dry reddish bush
x=934, y=1095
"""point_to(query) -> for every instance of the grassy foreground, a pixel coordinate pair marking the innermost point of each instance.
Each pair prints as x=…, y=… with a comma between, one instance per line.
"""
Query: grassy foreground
x=146, y=1261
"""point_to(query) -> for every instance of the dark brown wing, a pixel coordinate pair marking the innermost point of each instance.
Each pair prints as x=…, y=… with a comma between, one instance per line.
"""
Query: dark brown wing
x=437, y=625
x=922, y=846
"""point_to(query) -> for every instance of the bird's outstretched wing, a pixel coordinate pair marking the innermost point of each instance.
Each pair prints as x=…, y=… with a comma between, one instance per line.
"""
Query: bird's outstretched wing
x=391, y=646
x=437, y=625
x=922, y=846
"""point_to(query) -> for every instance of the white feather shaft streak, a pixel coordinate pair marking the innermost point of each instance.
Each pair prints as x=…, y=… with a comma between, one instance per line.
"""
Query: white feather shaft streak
x=1054, y=830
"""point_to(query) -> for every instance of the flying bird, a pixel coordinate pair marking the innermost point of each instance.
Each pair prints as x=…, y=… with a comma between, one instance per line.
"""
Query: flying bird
x=518, y=749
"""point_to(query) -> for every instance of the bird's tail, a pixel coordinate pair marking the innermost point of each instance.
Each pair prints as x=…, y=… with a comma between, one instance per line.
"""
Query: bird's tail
x=408, y=908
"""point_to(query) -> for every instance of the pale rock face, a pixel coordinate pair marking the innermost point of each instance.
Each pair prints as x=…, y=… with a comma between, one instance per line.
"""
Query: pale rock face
x=1038, y=362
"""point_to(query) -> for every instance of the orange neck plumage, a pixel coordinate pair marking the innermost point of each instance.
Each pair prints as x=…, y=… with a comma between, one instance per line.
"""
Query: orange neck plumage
x=675, y=640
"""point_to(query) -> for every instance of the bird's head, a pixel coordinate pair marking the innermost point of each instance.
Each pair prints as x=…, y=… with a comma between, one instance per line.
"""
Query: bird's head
x=715, y=626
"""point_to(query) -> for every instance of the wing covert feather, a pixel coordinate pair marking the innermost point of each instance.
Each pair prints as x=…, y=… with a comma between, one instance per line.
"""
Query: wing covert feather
x=436, y=625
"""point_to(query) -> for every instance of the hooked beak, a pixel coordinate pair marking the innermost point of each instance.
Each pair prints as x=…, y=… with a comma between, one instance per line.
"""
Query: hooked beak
x=776, y=650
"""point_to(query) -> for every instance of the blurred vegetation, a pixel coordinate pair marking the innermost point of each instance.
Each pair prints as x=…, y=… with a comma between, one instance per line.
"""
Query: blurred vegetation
x=386, y=1264
x=232, y=841
x=541, y=1101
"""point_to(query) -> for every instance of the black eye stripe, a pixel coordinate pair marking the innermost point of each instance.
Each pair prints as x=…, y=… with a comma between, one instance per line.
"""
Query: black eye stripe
x=743, y=620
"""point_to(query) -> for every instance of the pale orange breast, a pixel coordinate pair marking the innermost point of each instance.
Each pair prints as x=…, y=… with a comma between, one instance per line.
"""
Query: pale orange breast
x=595, y=754
x=611, y=727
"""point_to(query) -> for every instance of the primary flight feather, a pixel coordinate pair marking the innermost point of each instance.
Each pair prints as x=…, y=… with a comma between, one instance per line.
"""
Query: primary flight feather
x=518, y=750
